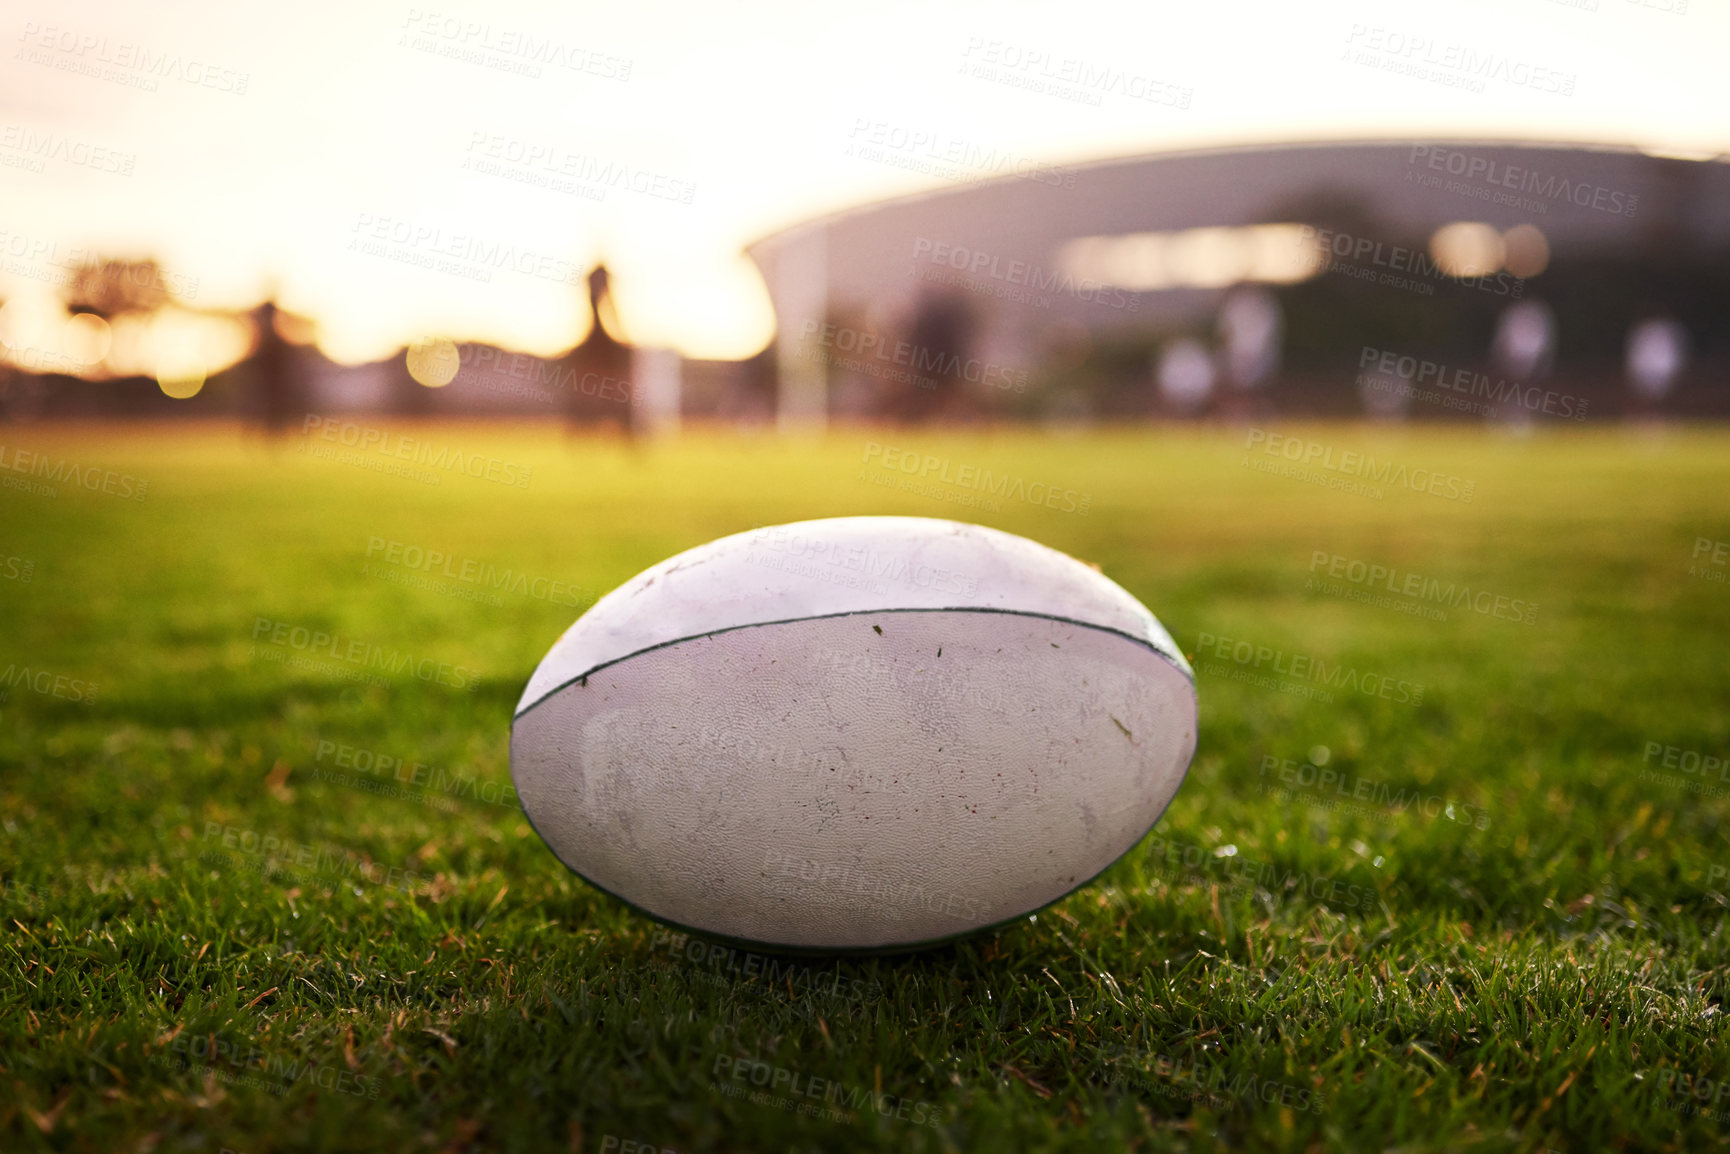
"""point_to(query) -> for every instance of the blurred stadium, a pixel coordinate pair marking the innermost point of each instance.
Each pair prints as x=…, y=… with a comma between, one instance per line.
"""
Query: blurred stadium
x=1215, y=284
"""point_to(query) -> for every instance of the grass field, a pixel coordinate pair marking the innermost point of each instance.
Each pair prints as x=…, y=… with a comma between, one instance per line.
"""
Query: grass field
x=246, y=909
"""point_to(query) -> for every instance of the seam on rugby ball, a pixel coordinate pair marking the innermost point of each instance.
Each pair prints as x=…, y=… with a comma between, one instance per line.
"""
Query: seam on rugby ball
x=1176, y=663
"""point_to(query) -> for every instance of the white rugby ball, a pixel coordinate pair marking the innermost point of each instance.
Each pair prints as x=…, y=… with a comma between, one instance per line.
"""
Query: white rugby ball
x=858, y=734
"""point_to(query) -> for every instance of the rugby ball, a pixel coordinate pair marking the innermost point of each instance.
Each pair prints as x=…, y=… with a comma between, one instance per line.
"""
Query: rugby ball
x=864, y=734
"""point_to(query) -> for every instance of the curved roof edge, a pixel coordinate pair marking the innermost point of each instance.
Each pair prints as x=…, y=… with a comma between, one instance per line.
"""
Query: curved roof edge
x=829, y=218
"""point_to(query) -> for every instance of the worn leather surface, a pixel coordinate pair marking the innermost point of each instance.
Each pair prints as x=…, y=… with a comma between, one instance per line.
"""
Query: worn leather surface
x=839, y=565
x=865, y=781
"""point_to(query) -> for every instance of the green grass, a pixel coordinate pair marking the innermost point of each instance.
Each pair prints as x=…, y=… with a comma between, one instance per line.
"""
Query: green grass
x=1529, y=974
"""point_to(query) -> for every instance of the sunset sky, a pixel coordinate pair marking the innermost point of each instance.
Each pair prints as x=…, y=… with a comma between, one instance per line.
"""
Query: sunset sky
x=334, y=149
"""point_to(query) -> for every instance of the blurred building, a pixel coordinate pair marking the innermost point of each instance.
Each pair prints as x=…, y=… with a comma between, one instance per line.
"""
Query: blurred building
x=1089, y=290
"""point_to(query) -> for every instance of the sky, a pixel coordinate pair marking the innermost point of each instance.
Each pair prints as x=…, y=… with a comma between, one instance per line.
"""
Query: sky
x=396, y=172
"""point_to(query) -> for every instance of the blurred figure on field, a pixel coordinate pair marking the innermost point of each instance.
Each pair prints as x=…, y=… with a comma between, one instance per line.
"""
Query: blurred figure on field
x=942, y=341
x=1657, y=354
x=1524, y=346
x=1184, y=373
x=1250, y=328
x=1522, y=352
x=273, y=372
x=596, y=374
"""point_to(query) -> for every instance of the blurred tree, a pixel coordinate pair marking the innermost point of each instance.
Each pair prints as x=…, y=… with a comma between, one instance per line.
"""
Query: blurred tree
x=110, y=286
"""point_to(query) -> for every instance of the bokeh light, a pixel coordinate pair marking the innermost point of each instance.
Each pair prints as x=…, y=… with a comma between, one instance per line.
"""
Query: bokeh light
x=433, y=362
x=86, y=338
x=1195, y=258
x=1467, y=248
x=1528, y=250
